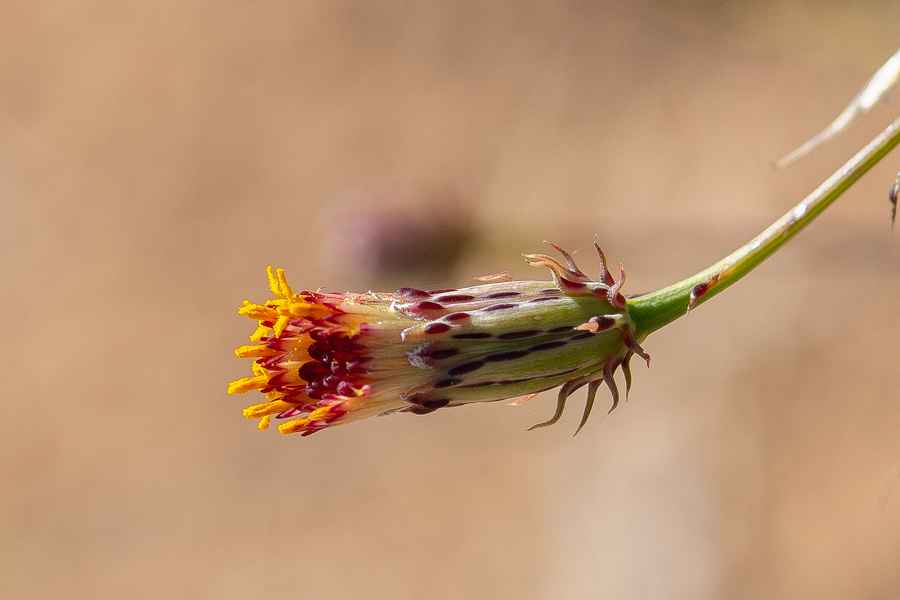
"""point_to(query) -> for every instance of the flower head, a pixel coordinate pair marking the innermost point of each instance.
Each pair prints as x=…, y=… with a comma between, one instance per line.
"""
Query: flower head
x=325, y=359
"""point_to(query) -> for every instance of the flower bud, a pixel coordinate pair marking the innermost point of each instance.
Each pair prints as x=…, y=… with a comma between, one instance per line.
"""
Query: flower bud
x=325, y=359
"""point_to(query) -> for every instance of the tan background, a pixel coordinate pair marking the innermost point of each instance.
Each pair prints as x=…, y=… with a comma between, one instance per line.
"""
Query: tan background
x=154, y=159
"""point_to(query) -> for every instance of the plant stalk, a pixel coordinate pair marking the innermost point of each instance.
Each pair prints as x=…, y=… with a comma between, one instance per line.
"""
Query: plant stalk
x=655, y=310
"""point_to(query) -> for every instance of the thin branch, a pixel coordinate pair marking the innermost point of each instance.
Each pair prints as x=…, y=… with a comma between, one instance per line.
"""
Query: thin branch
x=655, y=310
x=875, y=89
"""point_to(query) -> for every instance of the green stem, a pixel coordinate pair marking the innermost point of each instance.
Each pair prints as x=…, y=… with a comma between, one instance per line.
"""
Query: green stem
x=657, y=309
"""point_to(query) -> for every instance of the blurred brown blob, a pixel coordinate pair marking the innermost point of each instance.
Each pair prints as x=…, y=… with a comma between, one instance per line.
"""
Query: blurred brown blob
x=379, y=232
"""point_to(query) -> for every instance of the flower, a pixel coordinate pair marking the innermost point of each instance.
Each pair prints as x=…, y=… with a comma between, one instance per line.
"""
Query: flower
x=324, y=359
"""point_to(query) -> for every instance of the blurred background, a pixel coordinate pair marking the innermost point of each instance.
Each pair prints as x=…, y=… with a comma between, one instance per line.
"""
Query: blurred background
x=155, y=158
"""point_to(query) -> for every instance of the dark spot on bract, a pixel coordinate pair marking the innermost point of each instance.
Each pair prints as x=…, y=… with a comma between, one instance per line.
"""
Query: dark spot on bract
x=437, y=328
x=455, y=298
x=472, y=336
x=435, y=404
x=583, y=335
x=502, y=295
x=498, y=307
x=572, y=285
x=446, y=383
x=502, y=356
x=563, y=329
x=604, y=322
x=442, y=354
x=478, y=384
x=466, y=368
x=459, y=316
x=524, y=379
x=548, y=345
x=518, y=335
x=428, y=305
